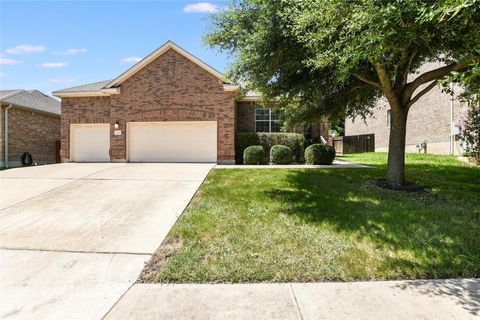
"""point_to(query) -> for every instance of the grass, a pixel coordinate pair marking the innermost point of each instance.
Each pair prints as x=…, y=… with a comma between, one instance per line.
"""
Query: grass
x=329, y=224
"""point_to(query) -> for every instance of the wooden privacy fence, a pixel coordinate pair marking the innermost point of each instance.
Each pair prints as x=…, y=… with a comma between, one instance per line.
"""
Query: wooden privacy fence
x=359, y=144
x=337, y=144
x=354, y=144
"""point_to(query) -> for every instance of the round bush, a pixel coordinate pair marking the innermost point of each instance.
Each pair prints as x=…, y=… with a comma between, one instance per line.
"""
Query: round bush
x=280, y=154
x=253, y=155
x=319, y=154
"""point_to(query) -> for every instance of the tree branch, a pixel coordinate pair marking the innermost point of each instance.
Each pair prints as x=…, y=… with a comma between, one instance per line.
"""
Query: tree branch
x=383, y=77
x=367, y=81
x=404, y=68
x=386, y=86
x=422, y=92
x=430, y=76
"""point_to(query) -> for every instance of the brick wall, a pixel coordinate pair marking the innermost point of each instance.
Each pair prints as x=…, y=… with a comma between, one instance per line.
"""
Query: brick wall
x=32, y=132
x=171, y=88
x=245, y=115
x=1, y=135
x=428, y=120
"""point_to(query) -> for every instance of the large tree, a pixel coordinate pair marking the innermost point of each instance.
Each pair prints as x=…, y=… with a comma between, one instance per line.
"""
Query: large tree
x=338, y=57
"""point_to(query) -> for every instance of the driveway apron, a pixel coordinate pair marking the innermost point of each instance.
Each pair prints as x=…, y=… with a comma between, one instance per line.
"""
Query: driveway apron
x=74, y=237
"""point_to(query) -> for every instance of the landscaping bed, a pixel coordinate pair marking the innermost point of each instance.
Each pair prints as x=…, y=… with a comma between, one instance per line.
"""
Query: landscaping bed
x=325, y=224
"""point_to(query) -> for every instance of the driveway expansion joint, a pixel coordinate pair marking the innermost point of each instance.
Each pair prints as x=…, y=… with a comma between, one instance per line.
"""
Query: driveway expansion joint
x=295, y=300
x=77, y=251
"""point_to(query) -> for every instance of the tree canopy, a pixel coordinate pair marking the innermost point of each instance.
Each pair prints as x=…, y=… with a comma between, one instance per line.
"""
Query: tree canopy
x=337, y=57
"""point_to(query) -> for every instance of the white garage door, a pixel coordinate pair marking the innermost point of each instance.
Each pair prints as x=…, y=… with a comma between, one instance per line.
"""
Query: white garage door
x=182, y=141
x=90, y=142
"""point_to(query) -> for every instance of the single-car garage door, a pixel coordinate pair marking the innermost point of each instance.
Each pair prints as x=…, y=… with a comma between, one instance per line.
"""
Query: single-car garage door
x=179, y=141
x=90, y=142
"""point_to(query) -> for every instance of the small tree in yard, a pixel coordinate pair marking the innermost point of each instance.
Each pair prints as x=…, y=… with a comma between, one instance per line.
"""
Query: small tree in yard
x=337, y=57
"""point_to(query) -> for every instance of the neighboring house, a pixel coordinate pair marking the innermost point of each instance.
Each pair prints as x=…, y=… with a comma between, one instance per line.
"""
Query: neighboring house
x=432, y=121
x=29, y=122
x=169, y=107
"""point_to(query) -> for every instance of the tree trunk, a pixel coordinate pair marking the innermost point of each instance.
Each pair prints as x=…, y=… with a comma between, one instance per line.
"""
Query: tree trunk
x=396, y=147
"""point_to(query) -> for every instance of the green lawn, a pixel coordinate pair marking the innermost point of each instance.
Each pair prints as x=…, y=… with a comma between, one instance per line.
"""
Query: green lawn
x=327, y=224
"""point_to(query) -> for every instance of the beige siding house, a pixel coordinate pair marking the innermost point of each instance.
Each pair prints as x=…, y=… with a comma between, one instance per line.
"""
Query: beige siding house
x=433, y=120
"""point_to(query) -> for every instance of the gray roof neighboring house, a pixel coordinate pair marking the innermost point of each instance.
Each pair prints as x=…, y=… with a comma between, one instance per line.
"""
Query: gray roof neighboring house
x=31, y=99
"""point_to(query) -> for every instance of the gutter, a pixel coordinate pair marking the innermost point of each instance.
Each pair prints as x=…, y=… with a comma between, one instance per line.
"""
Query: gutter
x=6, y=135
x=97, y=93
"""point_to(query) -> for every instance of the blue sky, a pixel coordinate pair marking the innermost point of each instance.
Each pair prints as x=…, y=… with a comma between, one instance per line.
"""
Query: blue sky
x=59, y=44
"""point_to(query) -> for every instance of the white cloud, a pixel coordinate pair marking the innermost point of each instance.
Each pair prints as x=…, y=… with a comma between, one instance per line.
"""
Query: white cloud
x=70, y=52
x=25, y=49
x=2, y=75
x=131, y=60
x=62, y=80
x=9, y=61
x=53, y=65
x=201, y=7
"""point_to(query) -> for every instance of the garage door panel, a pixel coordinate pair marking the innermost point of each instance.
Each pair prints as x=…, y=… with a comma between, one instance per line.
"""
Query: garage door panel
x=90, y=143
x=183, y=141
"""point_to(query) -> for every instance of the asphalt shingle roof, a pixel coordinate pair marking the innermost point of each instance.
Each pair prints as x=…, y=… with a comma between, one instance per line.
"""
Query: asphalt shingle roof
x=97, y=86
x=4, y=94
x=31, y=99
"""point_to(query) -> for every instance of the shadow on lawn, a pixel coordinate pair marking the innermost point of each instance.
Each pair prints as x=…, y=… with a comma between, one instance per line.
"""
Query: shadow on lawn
x=423, y=235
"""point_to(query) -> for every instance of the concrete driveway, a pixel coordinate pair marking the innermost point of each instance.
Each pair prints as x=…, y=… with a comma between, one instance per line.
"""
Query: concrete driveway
x=74, y=237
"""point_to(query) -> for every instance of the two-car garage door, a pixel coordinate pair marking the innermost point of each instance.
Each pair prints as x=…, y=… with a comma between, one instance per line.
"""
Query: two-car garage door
x=180, y=141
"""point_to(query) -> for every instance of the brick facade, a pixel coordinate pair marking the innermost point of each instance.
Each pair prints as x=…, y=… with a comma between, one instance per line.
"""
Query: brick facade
x=245, y=116
x=32, y=132
x=428, y=120
x=171, y=88
x=245, y=121
x=2, y=110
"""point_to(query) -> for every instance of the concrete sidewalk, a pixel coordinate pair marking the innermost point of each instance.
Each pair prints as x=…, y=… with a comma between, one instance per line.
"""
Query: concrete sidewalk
x=423, y=299
x=337, y=164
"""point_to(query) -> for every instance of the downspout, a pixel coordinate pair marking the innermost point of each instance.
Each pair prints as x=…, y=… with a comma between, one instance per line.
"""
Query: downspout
x=452, y=129
x=6, y=135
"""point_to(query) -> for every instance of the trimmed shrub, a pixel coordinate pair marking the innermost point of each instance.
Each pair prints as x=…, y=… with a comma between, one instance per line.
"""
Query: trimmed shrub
x=294, y=141
x=244, y=140
x=253, y=155
x=280, y=154
x=319, y=154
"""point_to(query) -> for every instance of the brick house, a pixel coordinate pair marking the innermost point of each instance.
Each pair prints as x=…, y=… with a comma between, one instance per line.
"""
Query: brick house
x=433, y=120
x=29, y=122
x=169, y=107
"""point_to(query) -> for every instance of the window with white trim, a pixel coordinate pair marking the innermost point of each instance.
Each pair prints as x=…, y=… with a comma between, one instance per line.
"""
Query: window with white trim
x=268, y=120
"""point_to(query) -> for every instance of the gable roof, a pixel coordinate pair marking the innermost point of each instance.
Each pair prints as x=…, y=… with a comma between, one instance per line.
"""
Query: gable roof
x=31, y=99
x=157, y=53
x=109, y=87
